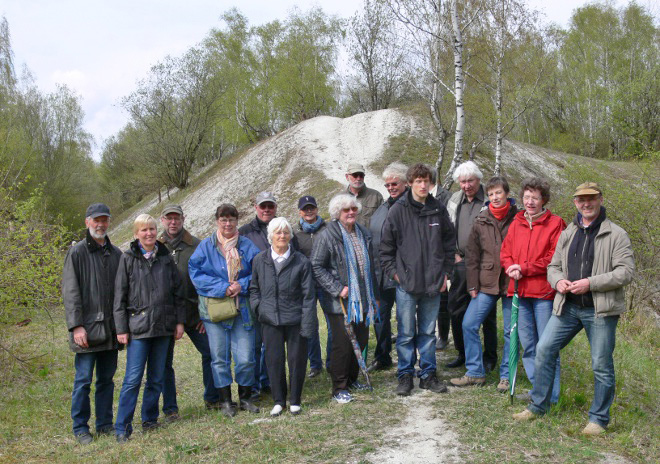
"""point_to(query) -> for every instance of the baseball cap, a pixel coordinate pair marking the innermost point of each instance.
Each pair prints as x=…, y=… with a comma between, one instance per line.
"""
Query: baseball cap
x=355, y=167
x=307, y=200
x=172, y=209
x=97, y=209
x=263, y=197
x=588, y=188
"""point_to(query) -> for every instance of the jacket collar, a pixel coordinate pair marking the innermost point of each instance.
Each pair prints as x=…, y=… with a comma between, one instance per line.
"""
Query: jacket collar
x=187, y=237
x=134, y=249
x=92, y=245
x=431, y=205
x=333, y=228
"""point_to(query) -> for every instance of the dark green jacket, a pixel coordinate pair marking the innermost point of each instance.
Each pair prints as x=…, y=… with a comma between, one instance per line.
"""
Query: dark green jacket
x=181, y=255
x=88, y=284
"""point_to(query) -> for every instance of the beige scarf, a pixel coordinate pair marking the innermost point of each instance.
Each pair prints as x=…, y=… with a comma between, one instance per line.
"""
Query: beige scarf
x=531, y=219
x=230, y=252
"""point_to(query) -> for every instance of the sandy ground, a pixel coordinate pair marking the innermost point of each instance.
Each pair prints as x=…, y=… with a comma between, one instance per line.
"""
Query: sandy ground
x=422, y=437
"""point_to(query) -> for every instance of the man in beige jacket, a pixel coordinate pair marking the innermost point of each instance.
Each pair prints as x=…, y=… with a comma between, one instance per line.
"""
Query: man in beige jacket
x=592, y=263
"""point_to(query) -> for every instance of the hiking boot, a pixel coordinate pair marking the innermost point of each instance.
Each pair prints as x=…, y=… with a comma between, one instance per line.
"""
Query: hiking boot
x=503, y=386
x=107, y=430
x=378, y=365
x=84, y=438
x=432, y=383
x=122, y=438
x=405, y=385
x=466, y=381
x=227, y=407
x=526, y=415
x=212, y=405
x=149, y=426
x=245, y=403
x=171, y=417
x=593, y=429
x=458, y=362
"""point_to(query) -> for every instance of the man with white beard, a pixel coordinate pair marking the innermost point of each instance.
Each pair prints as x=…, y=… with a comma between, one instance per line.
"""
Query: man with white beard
x=88, y=282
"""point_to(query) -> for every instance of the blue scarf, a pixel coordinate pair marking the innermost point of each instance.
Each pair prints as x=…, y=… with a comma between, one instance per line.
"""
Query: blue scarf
x=355, y=304
x=148, y=254
x=311, y=228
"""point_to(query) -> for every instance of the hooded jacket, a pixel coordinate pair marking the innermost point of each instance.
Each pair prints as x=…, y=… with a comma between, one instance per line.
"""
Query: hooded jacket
x=329, y=264
x=482, y=257
x=532, y=248
x=88, y=288
x=417, y=244
x=287, y=296
x=149, y=299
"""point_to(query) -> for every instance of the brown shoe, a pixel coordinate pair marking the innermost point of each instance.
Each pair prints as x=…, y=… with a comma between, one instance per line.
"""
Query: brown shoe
x=503, y=386
x=593, y=429
x=526, y=415
x=466, y=381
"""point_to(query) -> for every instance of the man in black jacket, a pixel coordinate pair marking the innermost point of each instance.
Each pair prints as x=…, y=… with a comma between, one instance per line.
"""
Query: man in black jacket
x=88, y=282
x=416, y=250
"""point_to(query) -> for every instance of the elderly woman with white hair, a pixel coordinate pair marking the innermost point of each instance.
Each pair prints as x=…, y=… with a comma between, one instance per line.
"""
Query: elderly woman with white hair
x=283, y=298
x=342, y=261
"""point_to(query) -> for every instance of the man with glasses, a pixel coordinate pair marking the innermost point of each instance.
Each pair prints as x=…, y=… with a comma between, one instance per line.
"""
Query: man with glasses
x=371, y=199
x=394, y=177
x=181, y=245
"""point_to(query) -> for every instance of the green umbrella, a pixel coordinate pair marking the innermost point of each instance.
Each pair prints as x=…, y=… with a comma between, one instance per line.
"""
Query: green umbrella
x=513, y=343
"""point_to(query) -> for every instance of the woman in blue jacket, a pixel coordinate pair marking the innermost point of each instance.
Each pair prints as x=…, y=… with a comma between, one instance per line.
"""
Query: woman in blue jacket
x=221, y=267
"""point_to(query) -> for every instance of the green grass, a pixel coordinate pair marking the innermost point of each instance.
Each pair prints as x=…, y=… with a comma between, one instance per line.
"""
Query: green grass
x=35, y=423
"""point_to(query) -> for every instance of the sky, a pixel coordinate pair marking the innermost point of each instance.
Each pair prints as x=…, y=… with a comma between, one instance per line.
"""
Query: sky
x=101, y=49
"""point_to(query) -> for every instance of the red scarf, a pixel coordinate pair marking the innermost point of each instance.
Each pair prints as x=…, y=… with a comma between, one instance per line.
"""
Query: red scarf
x=499, y=213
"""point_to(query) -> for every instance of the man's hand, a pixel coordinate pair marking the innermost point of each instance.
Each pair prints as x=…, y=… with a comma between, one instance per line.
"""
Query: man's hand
x=444, y=284
x=200, y=327
x=457, y=258
x=563, y=285
x=122, y=338
x=178, y=332
x=344, y=293
x=473, y=293
x=80, y=336
x=579, y=287
x=396, y=278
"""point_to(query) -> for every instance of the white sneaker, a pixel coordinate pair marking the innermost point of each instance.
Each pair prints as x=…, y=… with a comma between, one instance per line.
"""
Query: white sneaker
x=276, y=411
x=294, y=409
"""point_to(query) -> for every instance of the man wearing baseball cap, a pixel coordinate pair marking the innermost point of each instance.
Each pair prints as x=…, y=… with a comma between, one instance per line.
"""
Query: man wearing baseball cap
x=592, y=263
x=371, y=199
x=88, y=289
x=181, y=245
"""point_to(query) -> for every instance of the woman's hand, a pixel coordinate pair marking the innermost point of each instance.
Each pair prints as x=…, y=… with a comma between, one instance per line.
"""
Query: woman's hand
x=200, y=327
x=514, y=271
x=178, y=332
x=344, y=293
x=233, y=290
x=122, y=338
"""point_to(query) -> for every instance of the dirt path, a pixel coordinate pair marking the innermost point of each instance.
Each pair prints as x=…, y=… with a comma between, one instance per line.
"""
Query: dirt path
x=421, y=437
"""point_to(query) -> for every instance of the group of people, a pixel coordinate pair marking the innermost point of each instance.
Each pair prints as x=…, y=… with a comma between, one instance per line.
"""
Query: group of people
x=249, y=295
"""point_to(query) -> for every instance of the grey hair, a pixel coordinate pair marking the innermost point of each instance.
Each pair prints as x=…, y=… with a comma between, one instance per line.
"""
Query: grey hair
x=341, y=201
x=276, y=224
x=397, y=170
x=467, y=169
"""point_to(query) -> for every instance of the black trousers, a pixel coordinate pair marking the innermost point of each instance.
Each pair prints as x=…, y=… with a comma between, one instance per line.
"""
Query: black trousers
x=459, y=299
x=443, y=317
x=383, y=329
x=275, y=338
x=344, y=368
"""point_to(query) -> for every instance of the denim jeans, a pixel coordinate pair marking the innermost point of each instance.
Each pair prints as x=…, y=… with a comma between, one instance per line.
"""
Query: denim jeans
x=314, y=343
x=211, y=395
x=533, y=316
x=383, y=328
x=106, y=365
x=225, y=344
x=477, y=312
x=416, y=316
x=151, y=352
x=601, y=333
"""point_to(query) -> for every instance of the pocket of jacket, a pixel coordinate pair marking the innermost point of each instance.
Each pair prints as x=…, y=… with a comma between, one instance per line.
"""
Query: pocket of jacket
x=170, y=318
x=487, y=266
x=138, y=323
x=97, y=332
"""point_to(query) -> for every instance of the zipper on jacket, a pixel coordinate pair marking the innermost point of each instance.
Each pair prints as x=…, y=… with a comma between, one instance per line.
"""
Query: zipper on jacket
x=584, y=247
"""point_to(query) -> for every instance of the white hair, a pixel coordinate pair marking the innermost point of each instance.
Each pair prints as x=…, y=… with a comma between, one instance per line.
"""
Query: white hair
x=277, y=224
x=467, y=169
x=396, y=170
x=341, y=201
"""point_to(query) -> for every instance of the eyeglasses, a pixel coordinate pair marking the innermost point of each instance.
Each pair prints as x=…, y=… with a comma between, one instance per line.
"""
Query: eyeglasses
x=171, y=219
x=392, y=184
x=266, y=206
x=309, y=209
x=358, y=175
x=224, y=221
x=352, y=208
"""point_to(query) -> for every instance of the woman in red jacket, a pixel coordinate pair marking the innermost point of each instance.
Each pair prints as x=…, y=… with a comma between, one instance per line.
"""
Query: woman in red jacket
x=526, y=253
